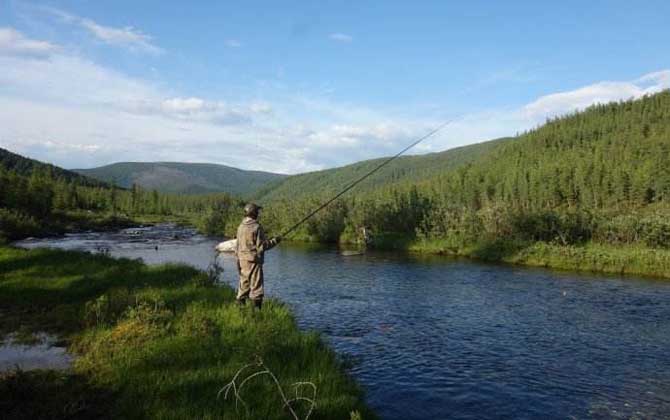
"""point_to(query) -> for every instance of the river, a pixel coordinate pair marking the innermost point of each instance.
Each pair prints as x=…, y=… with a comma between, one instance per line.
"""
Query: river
x=438, y=338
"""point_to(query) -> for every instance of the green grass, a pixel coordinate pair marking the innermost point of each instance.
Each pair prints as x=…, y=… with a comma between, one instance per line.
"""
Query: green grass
x=591, y=257
x=157, y=342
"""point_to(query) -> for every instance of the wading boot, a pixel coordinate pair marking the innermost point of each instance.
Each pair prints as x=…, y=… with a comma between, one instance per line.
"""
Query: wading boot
x=241, y=303
x=257, y=304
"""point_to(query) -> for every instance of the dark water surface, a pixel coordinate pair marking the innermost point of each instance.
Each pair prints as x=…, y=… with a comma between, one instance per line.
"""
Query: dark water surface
x=436, y=338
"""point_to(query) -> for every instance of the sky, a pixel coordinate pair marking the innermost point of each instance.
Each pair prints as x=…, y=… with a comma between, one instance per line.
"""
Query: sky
x=299, y=86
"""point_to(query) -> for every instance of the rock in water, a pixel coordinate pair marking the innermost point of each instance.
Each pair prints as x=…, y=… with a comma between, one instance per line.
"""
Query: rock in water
x=227, y=246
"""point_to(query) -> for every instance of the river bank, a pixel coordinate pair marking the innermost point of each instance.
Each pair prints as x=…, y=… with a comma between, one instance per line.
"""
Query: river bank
x=588, y=257
x=166, y=336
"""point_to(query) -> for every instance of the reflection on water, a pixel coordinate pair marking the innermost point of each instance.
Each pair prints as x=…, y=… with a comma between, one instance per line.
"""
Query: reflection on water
x=432, y=337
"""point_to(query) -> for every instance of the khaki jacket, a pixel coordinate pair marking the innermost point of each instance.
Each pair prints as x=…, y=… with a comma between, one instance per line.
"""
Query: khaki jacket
x=251, y=241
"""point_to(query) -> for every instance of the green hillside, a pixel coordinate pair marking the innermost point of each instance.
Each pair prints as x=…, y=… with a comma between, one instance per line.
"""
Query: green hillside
x=185, y=178
x=25, y=167
x=402, y=170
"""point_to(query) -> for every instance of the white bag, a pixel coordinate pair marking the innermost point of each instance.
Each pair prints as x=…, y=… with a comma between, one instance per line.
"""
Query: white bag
x=227, y=246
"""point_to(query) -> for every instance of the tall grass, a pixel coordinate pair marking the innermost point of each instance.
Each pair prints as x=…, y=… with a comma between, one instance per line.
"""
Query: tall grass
x=163, y=341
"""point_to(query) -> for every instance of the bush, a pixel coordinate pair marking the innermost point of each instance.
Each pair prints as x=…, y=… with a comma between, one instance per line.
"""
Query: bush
x=653, y=230
x=15, y=225
x=214, y=222
x=624, y=229
x=656, y=231
x=549, y=226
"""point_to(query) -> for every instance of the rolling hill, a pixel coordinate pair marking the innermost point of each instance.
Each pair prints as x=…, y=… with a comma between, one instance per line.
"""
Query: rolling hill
x=185, y=178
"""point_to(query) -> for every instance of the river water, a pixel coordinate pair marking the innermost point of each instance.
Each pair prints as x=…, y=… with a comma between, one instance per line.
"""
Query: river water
x=438, y=338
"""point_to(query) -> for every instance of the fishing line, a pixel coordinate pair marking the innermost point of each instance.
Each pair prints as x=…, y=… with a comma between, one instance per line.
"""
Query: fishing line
x=361, y=179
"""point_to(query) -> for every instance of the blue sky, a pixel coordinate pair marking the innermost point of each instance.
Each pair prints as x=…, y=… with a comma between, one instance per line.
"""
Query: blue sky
x=296, y=86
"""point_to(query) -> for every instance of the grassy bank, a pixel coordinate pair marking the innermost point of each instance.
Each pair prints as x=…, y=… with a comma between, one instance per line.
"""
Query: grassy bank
x=591, y=257
x=157, y=342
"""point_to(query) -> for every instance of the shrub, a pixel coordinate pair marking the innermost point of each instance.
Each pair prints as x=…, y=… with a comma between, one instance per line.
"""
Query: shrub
x=214, y=222
x=15, y=225
x=623, y=229
x=551, y=226
x=656, y=231
x=652, y=230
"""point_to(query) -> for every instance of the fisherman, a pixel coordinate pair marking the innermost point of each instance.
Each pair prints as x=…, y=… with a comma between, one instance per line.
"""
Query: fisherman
x=250, y=250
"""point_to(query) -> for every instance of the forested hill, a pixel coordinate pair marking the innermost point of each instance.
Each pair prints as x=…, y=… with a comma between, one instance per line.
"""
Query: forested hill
x=615, y=154
x=186, y=178
x=611, y=153
x=402, y=170
x=25, y=166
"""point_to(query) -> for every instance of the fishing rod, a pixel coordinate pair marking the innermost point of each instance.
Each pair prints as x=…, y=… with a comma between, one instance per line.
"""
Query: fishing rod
x=361, y=179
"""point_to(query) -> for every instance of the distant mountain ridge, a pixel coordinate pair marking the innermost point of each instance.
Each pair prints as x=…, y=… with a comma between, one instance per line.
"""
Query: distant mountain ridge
x=183, y=178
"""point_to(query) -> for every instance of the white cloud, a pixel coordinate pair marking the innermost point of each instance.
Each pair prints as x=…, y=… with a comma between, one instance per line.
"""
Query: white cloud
x=603, y=92
x=53, y=80
x=184, y=105
x=127, y=37
x=13, y=42
x=343, y=135
x=233, y=43
x=198, y=109
x=654, y=82
x=340, y=37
